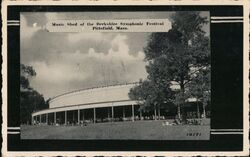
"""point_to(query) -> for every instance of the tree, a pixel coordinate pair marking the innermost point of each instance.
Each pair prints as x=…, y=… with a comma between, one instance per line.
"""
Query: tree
x=26, y=73
x=30, y=99
x=173, y=57
x=200, y=87
x=151, y=95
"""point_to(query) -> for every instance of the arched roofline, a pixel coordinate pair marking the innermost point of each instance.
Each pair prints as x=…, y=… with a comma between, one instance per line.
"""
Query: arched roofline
x=86, y=106
x=85, y=89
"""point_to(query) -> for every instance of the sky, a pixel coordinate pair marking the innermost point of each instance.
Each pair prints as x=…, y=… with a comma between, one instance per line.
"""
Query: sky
x=69, y=61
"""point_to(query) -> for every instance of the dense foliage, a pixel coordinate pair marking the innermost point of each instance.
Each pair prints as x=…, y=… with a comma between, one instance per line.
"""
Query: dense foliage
x=180, y=56
x=30, y=99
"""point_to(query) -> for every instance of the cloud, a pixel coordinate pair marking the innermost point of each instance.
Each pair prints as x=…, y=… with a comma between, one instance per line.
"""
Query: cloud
x=76, y=37
x=119, y=50
x=28, y=31
x=52, y=15
x=69, y=61
x=59, y=72
x=67, y=71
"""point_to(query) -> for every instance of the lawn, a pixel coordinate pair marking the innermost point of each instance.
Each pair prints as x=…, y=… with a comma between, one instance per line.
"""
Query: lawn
x=138, y=130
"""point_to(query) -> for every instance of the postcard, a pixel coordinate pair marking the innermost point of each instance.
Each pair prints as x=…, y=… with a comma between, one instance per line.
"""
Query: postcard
x=138, y=78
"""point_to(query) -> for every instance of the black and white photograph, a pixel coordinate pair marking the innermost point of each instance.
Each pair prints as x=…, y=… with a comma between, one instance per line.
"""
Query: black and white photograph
x=118, y=84
x=123, y=79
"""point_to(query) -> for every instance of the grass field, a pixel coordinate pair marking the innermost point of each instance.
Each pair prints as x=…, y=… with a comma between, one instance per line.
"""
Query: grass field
x=138, y=130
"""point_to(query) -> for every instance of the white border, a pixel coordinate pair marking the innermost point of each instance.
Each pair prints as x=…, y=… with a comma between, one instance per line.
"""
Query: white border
x=125, y=2
x=228, y=21
x=246, y=78
x=245, y=151
x=226, y=18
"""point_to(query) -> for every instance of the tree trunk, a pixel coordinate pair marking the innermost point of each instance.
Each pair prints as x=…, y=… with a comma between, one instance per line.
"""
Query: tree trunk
x=179, y=111
x=159, y=112
x=198, y=111
x=182, y=99
x=155, y=112
x=204, y=111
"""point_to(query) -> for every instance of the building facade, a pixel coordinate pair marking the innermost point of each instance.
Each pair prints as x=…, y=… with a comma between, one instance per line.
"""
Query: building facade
x=102, y=104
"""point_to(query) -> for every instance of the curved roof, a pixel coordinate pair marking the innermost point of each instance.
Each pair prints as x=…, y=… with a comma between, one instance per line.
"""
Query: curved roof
x=93, y=95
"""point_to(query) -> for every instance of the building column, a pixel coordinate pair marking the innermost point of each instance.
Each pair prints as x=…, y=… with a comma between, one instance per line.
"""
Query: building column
x=83, y=115
x=94, y=115
x=112, y=113
x=133, y=113
x=32, y=120
x=65, y=117
x=40, y=118
x=123, y=112
x=108, y=114
x=55, y=118
x=78, y=116
x=47, y=118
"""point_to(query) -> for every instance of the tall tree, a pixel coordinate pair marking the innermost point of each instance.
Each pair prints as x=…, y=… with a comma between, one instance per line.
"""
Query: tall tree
x=151, y=95
x=26, y=73
x=30, y=99
x=174, y=56
x=200, y=87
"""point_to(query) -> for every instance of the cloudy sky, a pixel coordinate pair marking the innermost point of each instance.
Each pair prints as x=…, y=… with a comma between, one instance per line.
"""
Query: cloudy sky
x=70, y=61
